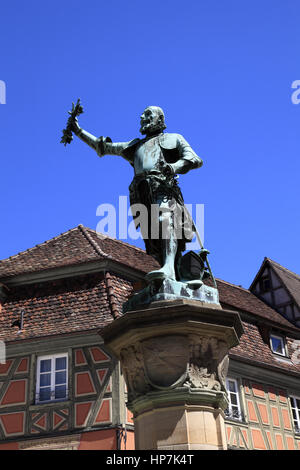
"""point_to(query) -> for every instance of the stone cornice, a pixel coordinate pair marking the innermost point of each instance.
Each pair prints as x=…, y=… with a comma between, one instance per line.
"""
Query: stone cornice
x=171, y=312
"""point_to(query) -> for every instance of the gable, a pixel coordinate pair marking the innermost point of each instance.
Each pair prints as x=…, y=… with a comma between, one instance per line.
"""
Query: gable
x=279, y=288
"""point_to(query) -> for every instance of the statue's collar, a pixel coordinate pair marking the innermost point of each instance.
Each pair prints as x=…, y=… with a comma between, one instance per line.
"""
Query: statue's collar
x=156, y=134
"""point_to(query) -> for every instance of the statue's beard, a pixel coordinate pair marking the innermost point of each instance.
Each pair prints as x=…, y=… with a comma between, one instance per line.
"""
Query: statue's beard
x=149, y=128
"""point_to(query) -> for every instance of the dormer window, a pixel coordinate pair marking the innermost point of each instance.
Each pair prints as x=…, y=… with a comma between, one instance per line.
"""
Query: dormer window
x=277, y=344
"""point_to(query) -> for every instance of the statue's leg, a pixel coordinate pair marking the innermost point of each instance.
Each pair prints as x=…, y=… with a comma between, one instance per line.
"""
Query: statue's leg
x=168, y=245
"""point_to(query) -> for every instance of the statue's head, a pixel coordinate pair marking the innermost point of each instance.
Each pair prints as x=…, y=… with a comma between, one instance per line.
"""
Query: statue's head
x=152, y=120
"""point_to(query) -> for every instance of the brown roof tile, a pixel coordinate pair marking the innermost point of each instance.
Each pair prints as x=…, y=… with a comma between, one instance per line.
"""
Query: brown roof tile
x=60, y=307
x=76, y=246
x=243, y=299
x=124, y=253
x=254, y=349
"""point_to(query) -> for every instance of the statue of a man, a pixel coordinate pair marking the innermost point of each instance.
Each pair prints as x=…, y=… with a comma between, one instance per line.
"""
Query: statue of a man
x=156, y=159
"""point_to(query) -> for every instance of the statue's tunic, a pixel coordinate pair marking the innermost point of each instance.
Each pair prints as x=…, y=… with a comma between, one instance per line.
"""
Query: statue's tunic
x=150, y=186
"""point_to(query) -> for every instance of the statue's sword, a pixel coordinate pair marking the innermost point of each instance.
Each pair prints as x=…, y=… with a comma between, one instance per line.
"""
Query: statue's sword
x=206, y=260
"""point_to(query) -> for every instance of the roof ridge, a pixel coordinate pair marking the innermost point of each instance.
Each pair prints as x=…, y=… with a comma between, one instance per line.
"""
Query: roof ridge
x=38, y=245
x=96, y=247
x=115, y=239
x=234, y=285
x=284, y=268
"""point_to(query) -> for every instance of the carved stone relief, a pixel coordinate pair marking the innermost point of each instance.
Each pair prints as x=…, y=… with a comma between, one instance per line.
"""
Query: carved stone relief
x=208, y=363
x=167, y=362
x=134, y=371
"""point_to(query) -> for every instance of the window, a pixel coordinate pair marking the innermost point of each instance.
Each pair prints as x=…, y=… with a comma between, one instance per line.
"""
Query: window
x=265, y=284
x=52, y=382
x=277, y=345
x=234, y=408
x=295, y=404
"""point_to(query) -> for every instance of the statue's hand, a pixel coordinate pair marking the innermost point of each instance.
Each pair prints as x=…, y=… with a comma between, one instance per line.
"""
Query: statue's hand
x=166, y=169
x=72, y=124
x=75, y=126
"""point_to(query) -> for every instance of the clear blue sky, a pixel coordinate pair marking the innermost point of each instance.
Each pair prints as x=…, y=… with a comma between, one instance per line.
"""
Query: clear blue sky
x=222, y=71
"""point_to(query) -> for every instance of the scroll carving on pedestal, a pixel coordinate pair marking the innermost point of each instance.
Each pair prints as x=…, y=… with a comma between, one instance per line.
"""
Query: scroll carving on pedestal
x=208, y=363
x=134, y=371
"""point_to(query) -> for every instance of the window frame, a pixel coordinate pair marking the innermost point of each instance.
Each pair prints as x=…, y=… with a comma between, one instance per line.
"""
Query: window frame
x=297, y=412
x=229, y=410
x=282, y=339
x=52, y=371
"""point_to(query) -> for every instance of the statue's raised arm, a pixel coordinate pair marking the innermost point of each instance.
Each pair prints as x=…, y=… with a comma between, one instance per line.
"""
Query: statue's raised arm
x=102, y=145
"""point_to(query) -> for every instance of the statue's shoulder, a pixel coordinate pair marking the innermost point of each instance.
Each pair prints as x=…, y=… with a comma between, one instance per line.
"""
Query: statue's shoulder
x=170, y=141
x=133, y=142
x=129, y=149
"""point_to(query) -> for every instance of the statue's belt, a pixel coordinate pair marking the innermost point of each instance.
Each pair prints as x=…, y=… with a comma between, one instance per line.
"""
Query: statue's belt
x=158, y=184
x=146, y=173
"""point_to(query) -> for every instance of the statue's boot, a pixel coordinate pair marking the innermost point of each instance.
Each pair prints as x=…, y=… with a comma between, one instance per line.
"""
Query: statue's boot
x=167, y=271
x=194, y=283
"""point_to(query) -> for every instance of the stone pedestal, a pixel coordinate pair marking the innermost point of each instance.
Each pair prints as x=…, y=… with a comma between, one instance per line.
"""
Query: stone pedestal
x=174, y=357
x=168, y=289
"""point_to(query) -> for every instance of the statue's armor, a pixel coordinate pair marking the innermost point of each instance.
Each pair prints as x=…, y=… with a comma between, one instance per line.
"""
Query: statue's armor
x=147, y=155
x=151, y=186
x=173, y=146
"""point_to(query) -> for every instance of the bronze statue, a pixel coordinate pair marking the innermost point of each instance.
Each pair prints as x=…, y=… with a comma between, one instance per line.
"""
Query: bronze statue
x=157, y=159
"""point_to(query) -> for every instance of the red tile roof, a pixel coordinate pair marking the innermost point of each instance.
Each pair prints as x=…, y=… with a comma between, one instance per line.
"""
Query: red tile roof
x=252, y=348
x=63, y=306
x=243, y=300
x=76, y=246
